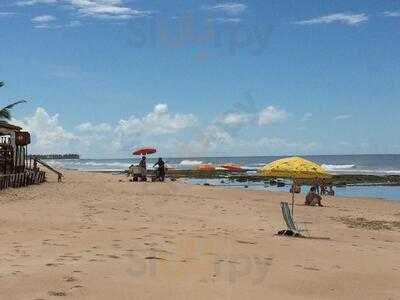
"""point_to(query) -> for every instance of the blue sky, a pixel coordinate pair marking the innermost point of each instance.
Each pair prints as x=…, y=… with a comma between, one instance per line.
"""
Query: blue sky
x=203, y=77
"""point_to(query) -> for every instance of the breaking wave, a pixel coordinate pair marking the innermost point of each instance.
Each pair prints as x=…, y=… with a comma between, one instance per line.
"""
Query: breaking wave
x=188, y=162
x=337, y=167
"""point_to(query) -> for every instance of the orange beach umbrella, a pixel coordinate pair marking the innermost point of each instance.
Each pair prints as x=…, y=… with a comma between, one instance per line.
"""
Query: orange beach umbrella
x=206, y=167
x=232, y=167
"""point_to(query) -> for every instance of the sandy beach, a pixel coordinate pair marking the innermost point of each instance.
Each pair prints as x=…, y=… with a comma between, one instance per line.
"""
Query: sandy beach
x=99, y=236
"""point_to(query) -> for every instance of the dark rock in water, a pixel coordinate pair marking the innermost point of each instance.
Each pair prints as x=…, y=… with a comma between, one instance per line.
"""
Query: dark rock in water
x=246, y=186
x=222, y=181
x=337, y=180
x=206, y=184
x=280, y=184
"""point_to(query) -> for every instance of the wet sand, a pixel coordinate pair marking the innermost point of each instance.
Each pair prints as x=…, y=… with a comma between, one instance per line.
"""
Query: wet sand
x=98, y=236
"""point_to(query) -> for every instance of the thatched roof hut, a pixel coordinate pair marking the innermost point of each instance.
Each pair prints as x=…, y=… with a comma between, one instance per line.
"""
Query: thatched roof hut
x=13, y=147
x=7, y=128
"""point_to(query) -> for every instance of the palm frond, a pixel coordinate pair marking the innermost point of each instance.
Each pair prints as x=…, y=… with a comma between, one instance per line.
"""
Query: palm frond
x=5, y=111
x=10, y=106
x=1, y=83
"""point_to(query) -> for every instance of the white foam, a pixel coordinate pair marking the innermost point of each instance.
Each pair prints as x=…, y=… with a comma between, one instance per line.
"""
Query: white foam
x=337, y=167
x=188, y=162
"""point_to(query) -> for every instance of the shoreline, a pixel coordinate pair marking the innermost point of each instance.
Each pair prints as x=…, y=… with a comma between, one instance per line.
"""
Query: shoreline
x=346, y=186
x=338, y=180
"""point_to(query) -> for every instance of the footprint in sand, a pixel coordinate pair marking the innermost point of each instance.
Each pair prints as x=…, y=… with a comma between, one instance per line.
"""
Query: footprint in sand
x=246, y=242
x=77, y=287
x=57, y=293
x=311, y=268
x=70, y=279
x=53, y=264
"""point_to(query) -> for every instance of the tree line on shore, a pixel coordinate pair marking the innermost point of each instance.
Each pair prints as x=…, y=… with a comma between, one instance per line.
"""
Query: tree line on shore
x=55, y=156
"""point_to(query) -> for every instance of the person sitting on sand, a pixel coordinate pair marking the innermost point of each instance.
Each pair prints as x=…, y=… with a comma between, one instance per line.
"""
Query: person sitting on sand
x=312, y=198
x=161, y=169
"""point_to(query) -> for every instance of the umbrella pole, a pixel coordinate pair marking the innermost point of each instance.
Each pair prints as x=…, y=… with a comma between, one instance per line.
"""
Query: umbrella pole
x=294, y=182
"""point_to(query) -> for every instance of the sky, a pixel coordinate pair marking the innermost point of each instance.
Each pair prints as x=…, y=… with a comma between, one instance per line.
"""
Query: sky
x=203, y=78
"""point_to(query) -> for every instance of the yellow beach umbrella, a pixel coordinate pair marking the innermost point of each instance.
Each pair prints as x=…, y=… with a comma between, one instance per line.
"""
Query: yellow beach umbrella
x=295, y=168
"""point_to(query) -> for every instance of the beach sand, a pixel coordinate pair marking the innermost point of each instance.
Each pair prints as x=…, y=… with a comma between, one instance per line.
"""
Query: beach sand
x=98, y=236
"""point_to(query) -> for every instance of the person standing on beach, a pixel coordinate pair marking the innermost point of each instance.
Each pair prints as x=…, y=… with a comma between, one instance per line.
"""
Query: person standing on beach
x=323, y=187
x=331, y=192
x=142, y=167
x=316, y=186
x=161, y=169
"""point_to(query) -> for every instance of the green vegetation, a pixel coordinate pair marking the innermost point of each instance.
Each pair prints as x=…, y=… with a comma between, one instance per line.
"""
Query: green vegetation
x=56, y=156
x=5, y=111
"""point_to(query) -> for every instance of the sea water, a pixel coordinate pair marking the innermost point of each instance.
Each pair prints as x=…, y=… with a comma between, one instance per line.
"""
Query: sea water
x=337, y=164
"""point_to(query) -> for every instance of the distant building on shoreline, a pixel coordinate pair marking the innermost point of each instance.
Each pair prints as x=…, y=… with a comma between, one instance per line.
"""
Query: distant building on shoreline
x=56, y=156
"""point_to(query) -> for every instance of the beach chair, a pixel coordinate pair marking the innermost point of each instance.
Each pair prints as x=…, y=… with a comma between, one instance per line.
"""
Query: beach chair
x=292, y=228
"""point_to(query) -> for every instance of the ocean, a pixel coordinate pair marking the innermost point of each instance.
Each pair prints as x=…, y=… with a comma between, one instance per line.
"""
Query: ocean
x=375, y=164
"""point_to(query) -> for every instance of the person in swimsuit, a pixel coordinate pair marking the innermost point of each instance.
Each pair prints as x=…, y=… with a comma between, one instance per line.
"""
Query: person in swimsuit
x=312, y=198
x=161, y=169
x=142, y=167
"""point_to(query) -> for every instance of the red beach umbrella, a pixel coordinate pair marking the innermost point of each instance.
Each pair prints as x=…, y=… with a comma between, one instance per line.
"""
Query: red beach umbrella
x=144, y=151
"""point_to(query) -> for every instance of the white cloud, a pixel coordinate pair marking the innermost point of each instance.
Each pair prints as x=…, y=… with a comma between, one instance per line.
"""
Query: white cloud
x=235, y=118
x=74, y=23
x=228, y=20
x=214, y=136
x=215, y=140
x=34, y=2
x=271, y=114
x=228, y=8
x=209, y=140
x=48, y=135
x=393, y=14
x=172, y=133
x=7, y=14
x=267, y=115
x=88, y=127
x=306, y=117
x=343, y=18
x=106, y=9
x=341, y=117
x=158, y=122
x=43, y=19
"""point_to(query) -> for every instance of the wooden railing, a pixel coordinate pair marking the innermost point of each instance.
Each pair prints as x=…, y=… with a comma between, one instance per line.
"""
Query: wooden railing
x=22, y=179
x=59, y=174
